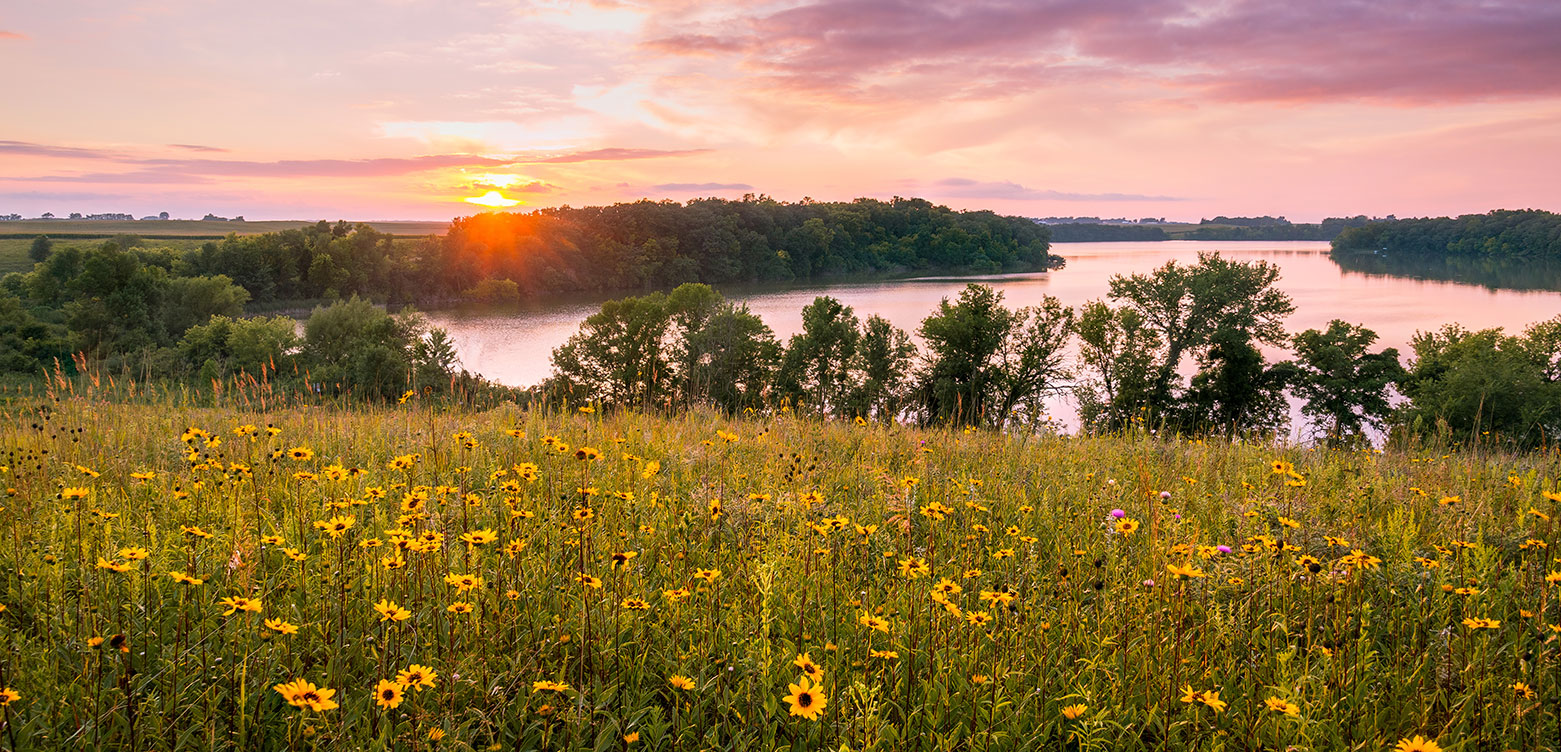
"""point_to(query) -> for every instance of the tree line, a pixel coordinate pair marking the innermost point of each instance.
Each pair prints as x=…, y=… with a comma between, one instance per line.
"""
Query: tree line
x=1504, y=233
x=1177, y=348
x=641, y=245
x=1219, y=228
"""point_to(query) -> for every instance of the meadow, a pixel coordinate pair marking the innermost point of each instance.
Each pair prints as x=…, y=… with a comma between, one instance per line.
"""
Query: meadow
x=420, y=576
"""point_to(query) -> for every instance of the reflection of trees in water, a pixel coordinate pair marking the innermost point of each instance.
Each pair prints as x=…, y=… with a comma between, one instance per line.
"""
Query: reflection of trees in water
x=1491, y=273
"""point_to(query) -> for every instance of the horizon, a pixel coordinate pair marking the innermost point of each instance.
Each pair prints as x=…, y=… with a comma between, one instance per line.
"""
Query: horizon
x=415, y=111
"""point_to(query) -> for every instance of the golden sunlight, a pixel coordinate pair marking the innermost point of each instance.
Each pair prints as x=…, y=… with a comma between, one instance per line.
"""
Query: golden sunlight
x=492, y=199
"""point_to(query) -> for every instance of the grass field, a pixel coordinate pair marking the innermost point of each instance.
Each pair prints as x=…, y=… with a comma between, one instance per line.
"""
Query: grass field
x=415, y=577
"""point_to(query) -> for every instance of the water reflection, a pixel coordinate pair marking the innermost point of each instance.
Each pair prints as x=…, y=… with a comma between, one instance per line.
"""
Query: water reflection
x=1491, y=273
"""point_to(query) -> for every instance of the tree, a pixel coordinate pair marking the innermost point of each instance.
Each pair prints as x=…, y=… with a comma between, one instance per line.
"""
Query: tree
x=354, y=346
x=1190, y=306
x=26, y=344
x=1118, y=351
x=883, y=362
x=620, y=356
x=1345, y=385
x=194, y=300
x=40, y=248
x=817, y=369
x=984, y=361
x=732, y=356
x=1469, y=384
x=1234, y=391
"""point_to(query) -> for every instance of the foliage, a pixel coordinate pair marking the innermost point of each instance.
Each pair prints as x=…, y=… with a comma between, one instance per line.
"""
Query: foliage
x=1118, y=353
x=1344, y=384
x=1527, y=233
x=984, y=362
x=1192, y=307
x=1471, y=384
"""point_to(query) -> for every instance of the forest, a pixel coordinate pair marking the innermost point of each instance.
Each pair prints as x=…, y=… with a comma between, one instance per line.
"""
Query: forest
x=1503, y=233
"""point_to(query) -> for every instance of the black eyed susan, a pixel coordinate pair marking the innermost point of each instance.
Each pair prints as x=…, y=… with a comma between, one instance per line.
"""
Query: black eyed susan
x=281, y=627
x=681, y=682
x=1282, y=706
x=239, y=603
x=1417, y=744
x=389, y=611
x=1074, y=712
x=806, y=700
x=417, y=677
x=808, y=667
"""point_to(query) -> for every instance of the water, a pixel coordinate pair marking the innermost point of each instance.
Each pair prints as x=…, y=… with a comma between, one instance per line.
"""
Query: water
x=513, y=346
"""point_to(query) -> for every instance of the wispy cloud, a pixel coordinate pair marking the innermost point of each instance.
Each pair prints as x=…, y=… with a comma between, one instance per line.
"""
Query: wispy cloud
x=29, y=149
x=11, y=35
x=1010, y=191
x=702, y=187
x=199, y=148
x=616, y=154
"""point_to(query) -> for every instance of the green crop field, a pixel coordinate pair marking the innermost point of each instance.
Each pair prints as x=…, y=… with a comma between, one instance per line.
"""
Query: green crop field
x=420, y=577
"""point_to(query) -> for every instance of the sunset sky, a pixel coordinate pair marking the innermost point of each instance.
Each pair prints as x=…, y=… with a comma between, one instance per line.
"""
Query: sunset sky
x=401, y=109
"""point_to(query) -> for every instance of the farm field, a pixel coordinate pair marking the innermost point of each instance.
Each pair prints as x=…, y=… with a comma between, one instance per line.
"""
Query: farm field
x=423, y=577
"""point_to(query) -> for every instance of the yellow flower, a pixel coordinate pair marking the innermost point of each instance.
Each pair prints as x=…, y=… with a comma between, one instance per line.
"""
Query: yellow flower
x=281, y=627
x=335, y=526
x=389, y=611
x=1072, y=712
x=805, y=662
x=680, y=682
x=549, y=686
x=459, y=607
x=806, y=700
x=1186, y=571
x=708, y=575
x=388, y=694
x=417, y=676
x=1417, y=744
x=8, y=696
x=303, y=694
x=1284, y=707
x=240, y=603
x=185, y=579
x=301, y=454
x=1127, y=525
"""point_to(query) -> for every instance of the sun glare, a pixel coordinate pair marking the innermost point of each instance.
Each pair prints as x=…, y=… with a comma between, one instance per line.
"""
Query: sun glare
x=492, y=199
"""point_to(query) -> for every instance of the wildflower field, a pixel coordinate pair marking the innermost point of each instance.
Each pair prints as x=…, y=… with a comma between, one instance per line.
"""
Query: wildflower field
x=422, y=577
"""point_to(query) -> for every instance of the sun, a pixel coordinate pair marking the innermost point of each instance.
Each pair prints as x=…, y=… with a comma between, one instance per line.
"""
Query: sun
x=492, y=199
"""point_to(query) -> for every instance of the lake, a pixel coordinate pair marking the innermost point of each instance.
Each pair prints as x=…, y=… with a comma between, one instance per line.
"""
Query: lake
x=513, y=346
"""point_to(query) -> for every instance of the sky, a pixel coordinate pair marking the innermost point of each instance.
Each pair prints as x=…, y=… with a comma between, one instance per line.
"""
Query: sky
x=404, y=109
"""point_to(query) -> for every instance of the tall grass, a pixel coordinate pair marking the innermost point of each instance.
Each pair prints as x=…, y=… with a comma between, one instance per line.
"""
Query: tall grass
x=953, y=589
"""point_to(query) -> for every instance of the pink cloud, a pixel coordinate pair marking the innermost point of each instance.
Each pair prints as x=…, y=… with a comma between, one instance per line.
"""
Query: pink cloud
x=615, y=154
x=11, y=35
x=1401, y=51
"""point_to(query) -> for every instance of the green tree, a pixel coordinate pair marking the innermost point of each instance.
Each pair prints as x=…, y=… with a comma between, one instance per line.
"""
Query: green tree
x=620, y=356
x=1190, y=306
x=984, y=361
x=194, y=300
x=1118, y=351
x=1471, y=384
x=40, y=248
x=353, y=346
x=884, y=356
x=26, y=343
x=732, y=357
x=817, y=370
x=1345, y=385
x=1235, y=391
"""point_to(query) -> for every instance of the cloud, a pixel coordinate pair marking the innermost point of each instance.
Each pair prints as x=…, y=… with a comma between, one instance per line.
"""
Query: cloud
x=1010, y=191
x=11, y=35
x=145, y=177
x=696, y=44
x=684, y=187
x=30, y=149
x=198, y=147
x=1395, y=51
x=535, y=186
x=616, y=154
x=60, y=196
